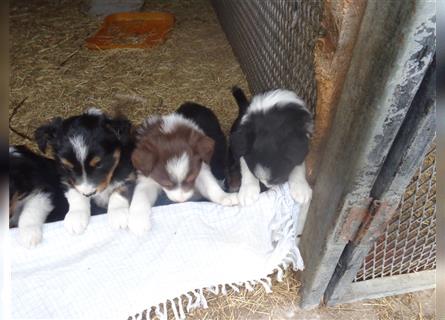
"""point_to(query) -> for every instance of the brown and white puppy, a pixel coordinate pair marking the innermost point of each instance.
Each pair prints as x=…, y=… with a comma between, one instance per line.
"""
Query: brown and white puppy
x=183, y=154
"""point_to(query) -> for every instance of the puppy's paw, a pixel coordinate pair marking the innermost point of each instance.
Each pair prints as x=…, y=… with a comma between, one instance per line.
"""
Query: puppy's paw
x=300, y=191
x=30, y=236
x=76, y=221
x=118, y=217
x=249, y=193
x=139, y=221
x=229, y=199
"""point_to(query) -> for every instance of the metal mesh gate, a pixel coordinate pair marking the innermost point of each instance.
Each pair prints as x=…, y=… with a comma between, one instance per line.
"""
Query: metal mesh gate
x=409, y=242
x=274, y=42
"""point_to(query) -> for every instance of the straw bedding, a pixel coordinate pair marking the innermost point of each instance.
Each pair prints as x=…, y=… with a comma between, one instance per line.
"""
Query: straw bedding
x=59, y=77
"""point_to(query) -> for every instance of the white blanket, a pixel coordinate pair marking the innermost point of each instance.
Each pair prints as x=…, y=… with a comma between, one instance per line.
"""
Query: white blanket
x=192, y=247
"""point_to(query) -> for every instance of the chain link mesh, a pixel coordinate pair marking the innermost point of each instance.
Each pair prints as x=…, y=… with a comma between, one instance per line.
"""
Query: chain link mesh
x=409, y=242
x=274, y=42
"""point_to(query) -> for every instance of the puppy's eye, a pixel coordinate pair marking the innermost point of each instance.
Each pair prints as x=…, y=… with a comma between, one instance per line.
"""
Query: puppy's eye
x=66, y=163
x=167, y=184
x=96, y=162
x=190, y=178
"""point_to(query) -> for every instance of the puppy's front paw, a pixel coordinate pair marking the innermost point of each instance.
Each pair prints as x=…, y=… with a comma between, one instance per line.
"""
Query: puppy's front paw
x=139, y=221
x=229, y=199
x=76, y=221
x=301, y=191
x=118, y=218
x=248, y=193
x=30, y=236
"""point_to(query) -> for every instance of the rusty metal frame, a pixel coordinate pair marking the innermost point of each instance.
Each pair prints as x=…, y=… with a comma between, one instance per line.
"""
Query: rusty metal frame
x=380, y=133
x=403, y=159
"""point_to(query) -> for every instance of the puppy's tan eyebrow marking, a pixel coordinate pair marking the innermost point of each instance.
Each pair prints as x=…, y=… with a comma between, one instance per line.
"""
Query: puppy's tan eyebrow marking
x=106, y=182
x=95, y=161
x=66, y=163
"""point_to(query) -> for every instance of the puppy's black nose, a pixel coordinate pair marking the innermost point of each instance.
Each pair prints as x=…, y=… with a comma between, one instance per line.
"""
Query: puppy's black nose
x=90, y=194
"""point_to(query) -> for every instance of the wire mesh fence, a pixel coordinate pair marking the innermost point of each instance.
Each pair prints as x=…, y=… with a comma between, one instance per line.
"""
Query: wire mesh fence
x=274, y=42
x=409, y=242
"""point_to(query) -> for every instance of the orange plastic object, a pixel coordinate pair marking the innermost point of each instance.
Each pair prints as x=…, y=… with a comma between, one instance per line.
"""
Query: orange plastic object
x=132, y=30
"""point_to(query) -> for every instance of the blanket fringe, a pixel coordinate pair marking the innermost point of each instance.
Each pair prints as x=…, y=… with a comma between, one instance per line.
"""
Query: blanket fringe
x=196, y=298
x=234, y=287
x=181, y=308
x=162, y=314
x=283, y=229
x=175, y=309
x=223, y=289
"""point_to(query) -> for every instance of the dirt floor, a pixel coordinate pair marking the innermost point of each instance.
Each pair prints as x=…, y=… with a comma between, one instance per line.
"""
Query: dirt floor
x=52, y=74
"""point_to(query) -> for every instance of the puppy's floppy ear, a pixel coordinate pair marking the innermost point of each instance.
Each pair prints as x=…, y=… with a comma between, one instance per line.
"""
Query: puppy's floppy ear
x=46, y=134
x=238, y=143
x=121, y=127
x=144, y=158
x=205, y=147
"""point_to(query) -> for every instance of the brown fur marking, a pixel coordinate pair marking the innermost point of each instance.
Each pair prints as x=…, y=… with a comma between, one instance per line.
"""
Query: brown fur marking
x=103, y=185
x=155, y=147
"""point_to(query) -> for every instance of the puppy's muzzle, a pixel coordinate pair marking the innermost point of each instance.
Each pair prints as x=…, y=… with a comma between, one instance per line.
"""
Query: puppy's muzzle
x=90, y=194
x=87, y=190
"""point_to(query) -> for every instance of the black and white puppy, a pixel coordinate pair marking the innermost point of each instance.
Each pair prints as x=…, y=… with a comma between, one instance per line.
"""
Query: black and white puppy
x=35, y=194
x=269, y=142
x=183, y=154
x=94, y=154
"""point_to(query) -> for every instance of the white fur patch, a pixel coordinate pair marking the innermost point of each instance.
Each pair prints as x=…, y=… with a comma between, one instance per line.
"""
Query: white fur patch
x=102, y=198
x=94, y=111
x=208, y=186
x=79, y=147
x=268, y=100
x=172, y=121
x=85, y=188
x=178, y=167
x=250, y=185
x=262, y=173
x=35, y=210
x=81, y=151
x=118, y=210
x=299, y=187
x=179, y=195
x=14, y=152
x=147, y=123
x=144, y=196
x=76, y=220
x=169, y=123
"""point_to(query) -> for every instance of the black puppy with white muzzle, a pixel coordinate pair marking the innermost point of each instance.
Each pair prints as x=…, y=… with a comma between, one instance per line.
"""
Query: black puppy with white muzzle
x=35, y=194
x=269, y=142
x=94, y=153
